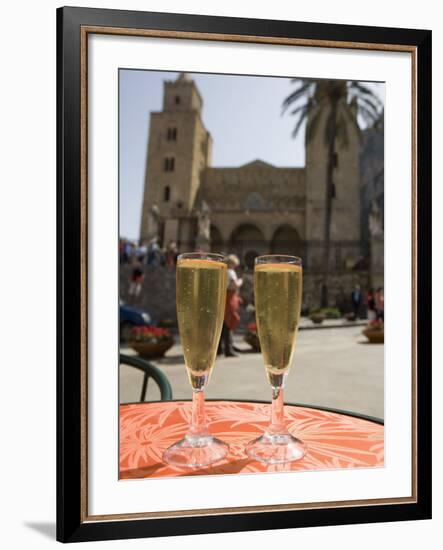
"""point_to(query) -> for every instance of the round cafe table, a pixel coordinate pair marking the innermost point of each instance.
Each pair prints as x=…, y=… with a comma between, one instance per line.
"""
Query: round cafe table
x=333, y=439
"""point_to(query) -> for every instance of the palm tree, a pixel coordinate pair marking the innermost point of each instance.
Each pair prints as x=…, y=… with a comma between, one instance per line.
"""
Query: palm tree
x=339, y=103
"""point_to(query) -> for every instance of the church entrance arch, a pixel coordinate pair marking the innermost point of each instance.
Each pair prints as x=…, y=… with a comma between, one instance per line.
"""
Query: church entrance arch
x=249, y=258
x=216, y=239
x=247, y=241
x=286, y=240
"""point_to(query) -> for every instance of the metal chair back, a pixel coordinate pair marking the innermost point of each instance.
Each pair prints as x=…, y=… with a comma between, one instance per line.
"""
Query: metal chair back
x=150, y=371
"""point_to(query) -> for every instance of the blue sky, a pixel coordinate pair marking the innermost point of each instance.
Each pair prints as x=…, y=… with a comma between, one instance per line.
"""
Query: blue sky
x=242, y=113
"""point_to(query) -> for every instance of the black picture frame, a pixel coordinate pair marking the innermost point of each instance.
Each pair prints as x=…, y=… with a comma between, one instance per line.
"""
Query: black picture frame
x=72, y=523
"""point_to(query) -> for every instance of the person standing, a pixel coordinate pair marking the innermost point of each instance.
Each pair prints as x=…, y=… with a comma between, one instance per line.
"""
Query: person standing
x=153, y=252
x=233, y=301
x=141, y=252
x=171, y=254
x=380, y=304
x=127, y=252
x=370, y=302
x=356, y=300
x=137, y=278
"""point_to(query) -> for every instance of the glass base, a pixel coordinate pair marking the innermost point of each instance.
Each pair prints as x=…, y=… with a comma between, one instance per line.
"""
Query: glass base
x=196, y=452
x=276, y=448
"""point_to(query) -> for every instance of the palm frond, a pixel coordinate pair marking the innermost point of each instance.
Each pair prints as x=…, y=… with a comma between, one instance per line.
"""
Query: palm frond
x=295, y=95
x=360, y=90
x=374, y=108
x=303, y=116
x=300, y=108
x=319, y=95
x=367, y=115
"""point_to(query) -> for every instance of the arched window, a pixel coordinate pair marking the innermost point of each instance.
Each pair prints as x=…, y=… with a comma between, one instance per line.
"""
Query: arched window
x=171, y=134
x=166, y=193
x=286, y=240
x=169, y=164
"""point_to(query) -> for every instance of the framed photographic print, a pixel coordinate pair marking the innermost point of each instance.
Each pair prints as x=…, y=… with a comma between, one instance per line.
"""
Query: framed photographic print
x=243, y=215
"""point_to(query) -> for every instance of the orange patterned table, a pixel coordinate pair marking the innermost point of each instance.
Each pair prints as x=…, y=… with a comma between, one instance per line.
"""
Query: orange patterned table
x=333, y=440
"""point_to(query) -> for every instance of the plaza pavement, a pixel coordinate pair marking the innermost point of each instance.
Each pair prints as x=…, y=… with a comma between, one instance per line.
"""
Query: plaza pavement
x=332, y=367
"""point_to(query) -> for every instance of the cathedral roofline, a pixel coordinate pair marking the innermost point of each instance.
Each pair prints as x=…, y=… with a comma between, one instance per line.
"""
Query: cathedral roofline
x=256, y=164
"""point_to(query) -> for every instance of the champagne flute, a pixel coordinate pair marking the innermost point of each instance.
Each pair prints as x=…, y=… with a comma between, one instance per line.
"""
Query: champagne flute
x=278, y=296
x=201, y=298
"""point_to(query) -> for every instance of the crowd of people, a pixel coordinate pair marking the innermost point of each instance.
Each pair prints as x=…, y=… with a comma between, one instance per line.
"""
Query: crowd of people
x=374, y=301
x=151, y=253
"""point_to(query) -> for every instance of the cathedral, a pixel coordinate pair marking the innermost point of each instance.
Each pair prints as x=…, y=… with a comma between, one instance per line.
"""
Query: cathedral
x=253, y=209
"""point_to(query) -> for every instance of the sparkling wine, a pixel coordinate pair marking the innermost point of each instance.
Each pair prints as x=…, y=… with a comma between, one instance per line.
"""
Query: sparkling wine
x=201, y=298
x=278, y=296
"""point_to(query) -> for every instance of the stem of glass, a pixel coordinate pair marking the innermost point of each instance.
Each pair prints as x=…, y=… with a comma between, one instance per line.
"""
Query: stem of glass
x=277, y=425
x=198, y=426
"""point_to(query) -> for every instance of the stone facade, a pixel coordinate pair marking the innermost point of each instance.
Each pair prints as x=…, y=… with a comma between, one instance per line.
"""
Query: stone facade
x=253, y=209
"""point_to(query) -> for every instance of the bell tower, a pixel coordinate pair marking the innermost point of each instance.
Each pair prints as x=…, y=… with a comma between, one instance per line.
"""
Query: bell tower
x=179, y=148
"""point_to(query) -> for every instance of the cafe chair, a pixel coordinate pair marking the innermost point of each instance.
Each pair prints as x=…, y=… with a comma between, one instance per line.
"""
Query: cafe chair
x=150, y=371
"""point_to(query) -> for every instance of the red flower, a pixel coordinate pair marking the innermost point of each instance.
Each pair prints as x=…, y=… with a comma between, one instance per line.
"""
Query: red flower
x=150, y=334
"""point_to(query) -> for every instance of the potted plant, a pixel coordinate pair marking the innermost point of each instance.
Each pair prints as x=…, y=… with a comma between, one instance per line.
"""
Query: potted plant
x=151, y=342
x=251, y=337
x=317, y=316
x=375, y=332
x=350, y=316
x=331, y=312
